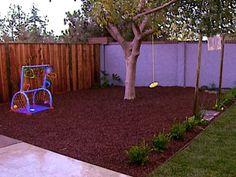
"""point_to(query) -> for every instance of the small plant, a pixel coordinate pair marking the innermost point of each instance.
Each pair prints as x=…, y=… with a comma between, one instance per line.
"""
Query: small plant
x=160, y=142
x=190, y=123
x=105, y=79
x=219, y=106
x=199, y=114
x=177, y=131
x=225, y=99
x=203, y=122
x=138, y=154
x=105, y=82
x=233, y=91
x=212, y=86
x=199, y=118
x=204, y=87
x=116, y=79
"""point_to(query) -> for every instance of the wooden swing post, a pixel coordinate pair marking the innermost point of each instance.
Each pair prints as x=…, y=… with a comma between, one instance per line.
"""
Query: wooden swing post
x=195, y=104
x=221, y=65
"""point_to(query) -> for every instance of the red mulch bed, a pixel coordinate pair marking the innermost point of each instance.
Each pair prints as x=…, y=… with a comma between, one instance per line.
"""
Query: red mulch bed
x=97, y=125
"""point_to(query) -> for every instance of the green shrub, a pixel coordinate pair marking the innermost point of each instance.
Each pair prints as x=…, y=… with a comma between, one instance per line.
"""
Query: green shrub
x=138, y=154
x=212, y=86
x=225, y=99
x=203, y=122
x=219, y=106
x=105, y=79
x=116, y=79
x=199, y=115
x=190, y=123
x=105, y=82
x=160, y=142
x=233, y=90
x=177, y=131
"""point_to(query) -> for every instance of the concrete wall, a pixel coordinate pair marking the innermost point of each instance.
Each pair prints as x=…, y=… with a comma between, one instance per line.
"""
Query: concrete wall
x=175, y=64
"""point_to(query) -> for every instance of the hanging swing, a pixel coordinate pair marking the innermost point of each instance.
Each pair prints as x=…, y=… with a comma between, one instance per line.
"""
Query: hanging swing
x=154, y=83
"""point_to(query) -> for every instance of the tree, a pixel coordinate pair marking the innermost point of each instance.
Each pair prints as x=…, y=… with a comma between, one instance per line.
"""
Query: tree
x=24, y=27
x=13, y=26
x=80, y=28
x=1, y=29
x=37, y=26
x=82, y=25
x=209, y=17
x=142, y=17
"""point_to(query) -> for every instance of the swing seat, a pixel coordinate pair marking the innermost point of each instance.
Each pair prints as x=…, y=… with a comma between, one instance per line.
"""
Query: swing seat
x=153, y=84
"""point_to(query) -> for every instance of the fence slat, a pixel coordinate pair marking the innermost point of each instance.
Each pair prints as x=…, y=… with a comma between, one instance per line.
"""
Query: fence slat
x=77, y=66
x=67, y=74
x=74, y=68
x=4, y=90
x=89, y=68
x=80, y=66
x=97, y=63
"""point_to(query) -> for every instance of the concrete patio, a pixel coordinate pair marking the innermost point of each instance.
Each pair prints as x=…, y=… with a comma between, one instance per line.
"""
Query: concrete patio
x=19, y=159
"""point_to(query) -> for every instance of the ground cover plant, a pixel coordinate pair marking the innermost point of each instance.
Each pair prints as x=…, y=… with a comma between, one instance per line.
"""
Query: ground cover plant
x=160, y=142
x=177, y=131
x=211, y=154
x=98, y=126
x=138, y=154
x=224, y=100
x=190, y=123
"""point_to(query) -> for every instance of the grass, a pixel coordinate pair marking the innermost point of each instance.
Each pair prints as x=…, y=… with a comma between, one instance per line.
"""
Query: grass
x=212, y=154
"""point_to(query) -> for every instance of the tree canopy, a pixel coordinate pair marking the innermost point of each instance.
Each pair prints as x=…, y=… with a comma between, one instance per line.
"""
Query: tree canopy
x=124, y=13
x=81, y=27
x=208, y=17
x=25, y=27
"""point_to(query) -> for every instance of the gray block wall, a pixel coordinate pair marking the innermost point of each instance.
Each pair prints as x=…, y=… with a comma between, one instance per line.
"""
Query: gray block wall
x=175, y=64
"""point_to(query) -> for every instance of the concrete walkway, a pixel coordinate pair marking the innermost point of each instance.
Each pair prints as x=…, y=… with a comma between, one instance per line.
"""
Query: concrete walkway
x=19, y=159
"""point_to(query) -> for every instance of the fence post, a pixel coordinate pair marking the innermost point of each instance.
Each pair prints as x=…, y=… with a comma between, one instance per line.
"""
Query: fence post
x=185, y=64
x=70, y=66
x=97, y=62
x=180, y=64
x=8, y=69
x=103, y=57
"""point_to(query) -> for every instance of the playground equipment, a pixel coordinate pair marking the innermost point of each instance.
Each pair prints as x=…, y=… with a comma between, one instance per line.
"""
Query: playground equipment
x=34, y=95
x=154, y=83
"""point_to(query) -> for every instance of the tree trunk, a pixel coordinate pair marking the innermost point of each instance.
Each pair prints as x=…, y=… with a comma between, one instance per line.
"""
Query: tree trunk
x=130, y=77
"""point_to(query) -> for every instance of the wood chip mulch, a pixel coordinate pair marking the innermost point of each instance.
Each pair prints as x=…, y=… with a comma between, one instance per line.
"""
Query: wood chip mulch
x=97, y=125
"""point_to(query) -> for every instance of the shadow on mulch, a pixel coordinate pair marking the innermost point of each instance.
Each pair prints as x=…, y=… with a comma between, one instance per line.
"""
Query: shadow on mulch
x=97, y=125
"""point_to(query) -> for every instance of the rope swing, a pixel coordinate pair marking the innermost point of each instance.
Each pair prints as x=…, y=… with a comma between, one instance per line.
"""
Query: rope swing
x=154, y=83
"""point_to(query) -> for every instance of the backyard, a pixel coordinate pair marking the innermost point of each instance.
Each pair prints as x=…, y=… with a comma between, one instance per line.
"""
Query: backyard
x=98, y=126
x=135, y=86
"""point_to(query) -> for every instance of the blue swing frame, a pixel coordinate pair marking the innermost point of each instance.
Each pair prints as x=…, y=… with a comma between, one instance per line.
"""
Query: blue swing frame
x=29, y=108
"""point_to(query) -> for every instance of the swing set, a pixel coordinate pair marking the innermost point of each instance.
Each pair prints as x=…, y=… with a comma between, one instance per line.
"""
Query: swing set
x=34, y=95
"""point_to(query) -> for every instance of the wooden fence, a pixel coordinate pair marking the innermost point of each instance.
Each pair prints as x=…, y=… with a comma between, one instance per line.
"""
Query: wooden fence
x=77, y=66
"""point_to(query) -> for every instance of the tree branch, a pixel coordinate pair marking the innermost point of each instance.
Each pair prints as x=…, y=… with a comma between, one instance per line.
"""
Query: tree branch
x=111, y=33
x=148, y=32
x=136, y=30
x=135, y=47
x=141, y=5
x=113, y=30
x=143, y=24
x=155, y=9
